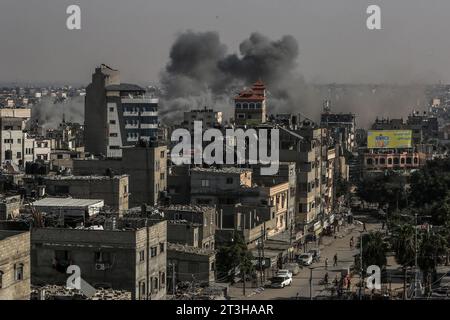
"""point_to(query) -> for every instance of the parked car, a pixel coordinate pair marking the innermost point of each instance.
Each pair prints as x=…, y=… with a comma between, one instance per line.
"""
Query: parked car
x=284, y=272
x=305, y=259
x=280, y=281
x=315, y=254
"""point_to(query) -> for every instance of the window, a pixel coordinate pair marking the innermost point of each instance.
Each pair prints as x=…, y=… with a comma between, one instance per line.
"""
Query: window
x=161, y=247
x=161, y=176
x=229, y=180
x=162, y=154
x=205, y=183
x=112, y=121
x=113, y=134
x=8, y=141
x=142, y=255
x=142, y=292
x=114, y=147
x=19, y=155
x=102, y=257
x=19, y=141
x=153, y=251
x=111, y=109
x=18, y=272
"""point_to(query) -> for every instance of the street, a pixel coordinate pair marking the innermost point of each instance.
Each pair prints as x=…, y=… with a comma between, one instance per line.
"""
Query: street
x=300, y=287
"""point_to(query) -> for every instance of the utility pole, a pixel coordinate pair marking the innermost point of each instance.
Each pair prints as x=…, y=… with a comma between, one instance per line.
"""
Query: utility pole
x=361, y=266
x=415, y=258
x=172, y=265
x=310, y=283
x=243, y=281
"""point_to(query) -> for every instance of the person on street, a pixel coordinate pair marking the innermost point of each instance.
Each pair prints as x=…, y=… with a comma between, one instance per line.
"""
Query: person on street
x=326, y=263
x=335, y=260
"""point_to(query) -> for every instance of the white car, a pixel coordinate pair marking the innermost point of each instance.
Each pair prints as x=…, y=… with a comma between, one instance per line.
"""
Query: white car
x=284, y=272
x=280, y=281
x=305, y=259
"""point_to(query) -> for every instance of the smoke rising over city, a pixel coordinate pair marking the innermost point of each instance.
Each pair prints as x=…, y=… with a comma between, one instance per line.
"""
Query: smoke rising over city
x=49, y=113
x=201, y=72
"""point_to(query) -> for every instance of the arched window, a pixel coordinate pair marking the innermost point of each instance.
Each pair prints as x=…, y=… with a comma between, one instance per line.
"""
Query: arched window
x=396, y=161
x=252, y=105
x=369, y=161
x=389, y=160
x=18, y=272
x=382, y=161
x=245, y=105
x=238, y=105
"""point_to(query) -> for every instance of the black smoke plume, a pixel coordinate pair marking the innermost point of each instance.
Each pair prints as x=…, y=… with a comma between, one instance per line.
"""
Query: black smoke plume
x=201, y=73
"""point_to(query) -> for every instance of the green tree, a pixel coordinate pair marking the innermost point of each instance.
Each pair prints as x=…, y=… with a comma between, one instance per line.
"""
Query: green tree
x=388, y=189
x=233, y=257
x=374, y=249
x=433, y=246
x=404, y=245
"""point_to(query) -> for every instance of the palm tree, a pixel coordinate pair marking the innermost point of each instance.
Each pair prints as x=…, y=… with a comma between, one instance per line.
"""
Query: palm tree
x=404, y=245
x=374, y=249
x=433, y=247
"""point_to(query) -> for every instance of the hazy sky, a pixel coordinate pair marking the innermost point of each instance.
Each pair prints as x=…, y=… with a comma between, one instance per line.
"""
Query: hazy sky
x=135, y=36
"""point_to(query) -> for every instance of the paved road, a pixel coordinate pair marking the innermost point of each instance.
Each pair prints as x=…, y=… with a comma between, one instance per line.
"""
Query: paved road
x=300, y=285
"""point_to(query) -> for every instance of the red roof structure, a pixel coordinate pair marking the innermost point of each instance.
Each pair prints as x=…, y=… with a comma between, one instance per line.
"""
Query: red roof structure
x=256, y=93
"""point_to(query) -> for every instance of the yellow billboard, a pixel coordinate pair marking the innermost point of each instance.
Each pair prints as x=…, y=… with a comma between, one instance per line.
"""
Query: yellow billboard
x=392, y=139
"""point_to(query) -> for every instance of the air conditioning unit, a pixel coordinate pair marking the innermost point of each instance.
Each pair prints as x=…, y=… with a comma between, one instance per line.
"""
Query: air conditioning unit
x=100, y=266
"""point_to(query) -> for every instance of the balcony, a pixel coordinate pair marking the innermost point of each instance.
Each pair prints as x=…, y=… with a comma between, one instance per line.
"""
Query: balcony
x=139, y=99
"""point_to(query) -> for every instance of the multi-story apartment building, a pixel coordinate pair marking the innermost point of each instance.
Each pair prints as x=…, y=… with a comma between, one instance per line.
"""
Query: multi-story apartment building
x=306, y=147
x=208, y=117
x=114, y=190
x=14, y=265
x=231, y=188
x=146, y=166
x=16, y=145
x=250, y=105
x=133, y=259
x=341, y=126
x=117, y=114
x=202, y=216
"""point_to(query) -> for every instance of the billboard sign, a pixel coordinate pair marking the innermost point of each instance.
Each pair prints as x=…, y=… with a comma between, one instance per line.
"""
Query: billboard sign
x=389, y=139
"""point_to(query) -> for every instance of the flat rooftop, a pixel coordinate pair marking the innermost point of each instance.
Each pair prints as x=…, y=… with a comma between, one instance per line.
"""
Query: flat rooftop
x=222, y=170
x=186, y=207
x=67, y=202
x=9, y=233
x=189, y=249
x=93, y=177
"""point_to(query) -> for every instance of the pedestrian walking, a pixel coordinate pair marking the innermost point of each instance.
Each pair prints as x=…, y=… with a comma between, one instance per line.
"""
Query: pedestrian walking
x=335, y=260
x=326, y=263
